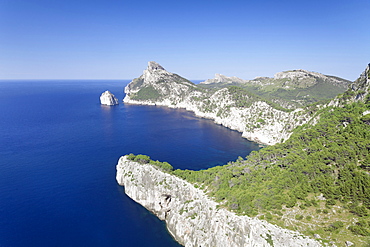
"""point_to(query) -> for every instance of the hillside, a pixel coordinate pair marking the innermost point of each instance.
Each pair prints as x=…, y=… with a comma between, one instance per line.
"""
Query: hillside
x=316, y=182
x=290, y=89
x=233, y=106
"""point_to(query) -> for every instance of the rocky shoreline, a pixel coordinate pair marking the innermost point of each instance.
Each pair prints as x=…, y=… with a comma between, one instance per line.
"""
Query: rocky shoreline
x=274, y=125
x=192, y=218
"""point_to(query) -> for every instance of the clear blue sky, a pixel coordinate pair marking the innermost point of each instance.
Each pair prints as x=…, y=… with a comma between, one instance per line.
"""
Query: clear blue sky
x=114, y=39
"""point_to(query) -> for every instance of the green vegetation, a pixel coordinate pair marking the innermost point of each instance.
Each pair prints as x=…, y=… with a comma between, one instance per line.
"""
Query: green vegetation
x=316, y=182
x=144, y=159
x=331, y=159
x=137, y=83
x=290, y=93
x=146, y=93
x=297, y=97
x=244, y=98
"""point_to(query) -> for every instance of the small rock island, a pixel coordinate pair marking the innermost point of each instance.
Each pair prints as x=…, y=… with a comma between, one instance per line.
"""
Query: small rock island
x=107, y=98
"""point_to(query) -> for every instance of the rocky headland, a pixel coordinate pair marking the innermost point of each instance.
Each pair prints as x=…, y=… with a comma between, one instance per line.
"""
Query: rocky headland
x=257, y=119
x=192, y=218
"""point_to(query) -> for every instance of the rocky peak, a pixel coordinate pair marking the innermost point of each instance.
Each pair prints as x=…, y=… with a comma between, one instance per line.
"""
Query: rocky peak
x=158, y=81
x=154, y=73
x=299, y=73
x=153, y=66
x=223, y=79
x=361, y=86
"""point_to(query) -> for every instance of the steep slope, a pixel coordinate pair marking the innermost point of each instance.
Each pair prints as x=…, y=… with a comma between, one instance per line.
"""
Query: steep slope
x=234, y=107
x=316, y=182
x=191, y=217
x=360, y=87
x=157, y=84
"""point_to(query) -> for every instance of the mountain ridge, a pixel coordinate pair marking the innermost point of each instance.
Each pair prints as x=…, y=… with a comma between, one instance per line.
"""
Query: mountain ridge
x=258, y=119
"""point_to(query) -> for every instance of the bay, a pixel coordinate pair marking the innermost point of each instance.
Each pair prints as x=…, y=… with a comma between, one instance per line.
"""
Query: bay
x=58, y=152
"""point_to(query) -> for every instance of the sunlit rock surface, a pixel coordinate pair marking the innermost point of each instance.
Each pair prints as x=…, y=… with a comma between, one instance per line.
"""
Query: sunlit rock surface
x=192, y=218
x=107, y=98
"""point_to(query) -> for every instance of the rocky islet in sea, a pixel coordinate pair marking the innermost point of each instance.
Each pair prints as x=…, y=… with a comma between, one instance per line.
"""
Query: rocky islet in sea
x=107, y=98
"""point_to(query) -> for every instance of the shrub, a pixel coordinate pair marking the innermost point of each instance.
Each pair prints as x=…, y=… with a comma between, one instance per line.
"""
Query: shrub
x=298, y=217
x=359, y=230
x=162, y=165
x=131, y=156
x=143, y=159
x=360, y=211
x=330, y=202
x=334, y=226
x=268, y=216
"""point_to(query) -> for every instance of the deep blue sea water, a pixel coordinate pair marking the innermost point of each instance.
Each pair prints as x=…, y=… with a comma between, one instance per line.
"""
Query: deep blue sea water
x=58, y=152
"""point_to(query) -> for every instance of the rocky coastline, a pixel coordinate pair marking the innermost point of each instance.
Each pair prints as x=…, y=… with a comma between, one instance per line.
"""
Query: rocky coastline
x=192, y=218
x=258, y=121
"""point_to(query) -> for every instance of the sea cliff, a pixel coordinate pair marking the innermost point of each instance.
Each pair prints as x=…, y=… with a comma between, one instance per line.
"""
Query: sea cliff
x=192, y=218
x=232, y=107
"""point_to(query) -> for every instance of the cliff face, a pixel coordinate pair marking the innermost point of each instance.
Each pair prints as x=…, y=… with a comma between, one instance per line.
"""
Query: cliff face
x=256, y=119
x=361, y=85
x=192, y=218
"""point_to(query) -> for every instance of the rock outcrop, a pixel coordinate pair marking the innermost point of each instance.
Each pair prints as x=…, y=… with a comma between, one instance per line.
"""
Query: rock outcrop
x=107, y=98
x=361, y=86
x=192, y=218
x=224, y=79
x=256, y=119
x=302, y=78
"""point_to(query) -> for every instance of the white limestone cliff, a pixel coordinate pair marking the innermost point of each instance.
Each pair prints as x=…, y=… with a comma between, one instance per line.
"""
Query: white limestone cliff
x=192, y=218
x=259, y=122
x=107, y=98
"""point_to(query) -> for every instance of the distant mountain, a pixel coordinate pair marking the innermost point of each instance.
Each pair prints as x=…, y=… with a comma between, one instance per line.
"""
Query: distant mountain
x=257, y=118
x=290, y=89
x=222, y=80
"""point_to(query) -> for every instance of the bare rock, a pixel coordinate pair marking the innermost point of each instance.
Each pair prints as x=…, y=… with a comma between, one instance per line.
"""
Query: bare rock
x=192, y=218
x=107, y=98
x=349, y=243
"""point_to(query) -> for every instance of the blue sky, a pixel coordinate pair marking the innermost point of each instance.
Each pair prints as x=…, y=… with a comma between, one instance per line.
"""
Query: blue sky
x=114, y=39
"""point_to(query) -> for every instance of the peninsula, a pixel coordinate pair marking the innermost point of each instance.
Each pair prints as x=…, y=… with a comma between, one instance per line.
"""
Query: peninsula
x=309, y=187
x=231, y=103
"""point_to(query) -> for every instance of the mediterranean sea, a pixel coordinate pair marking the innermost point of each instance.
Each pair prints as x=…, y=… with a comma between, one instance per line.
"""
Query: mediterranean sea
x=58, y=153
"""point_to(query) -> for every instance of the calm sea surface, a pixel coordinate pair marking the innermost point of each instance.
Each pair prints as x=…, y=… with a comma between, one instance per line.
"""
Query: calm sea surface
x=58, y=152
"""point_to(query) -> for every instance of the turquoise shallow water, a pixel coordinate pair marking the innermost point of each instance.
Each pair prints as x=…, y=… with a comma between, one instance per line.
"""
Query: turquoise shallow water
x=58, y=151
